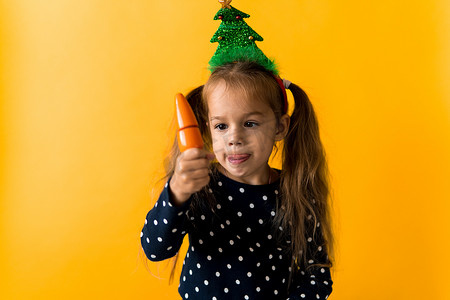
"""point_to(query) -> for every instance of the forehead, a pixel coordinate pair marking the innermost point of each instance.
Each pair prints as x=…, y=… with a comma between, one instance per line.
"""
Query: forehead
x=225, y=100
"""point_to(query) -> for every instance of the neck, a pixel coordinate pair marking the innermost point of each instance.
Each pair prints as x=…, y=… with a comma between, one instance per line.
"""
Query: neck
x=265, y=179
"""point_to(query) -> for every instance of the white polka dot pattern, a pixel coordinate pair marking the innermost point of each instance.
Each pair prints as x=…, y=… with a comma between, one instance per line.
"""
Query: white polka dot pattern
x=233, y=253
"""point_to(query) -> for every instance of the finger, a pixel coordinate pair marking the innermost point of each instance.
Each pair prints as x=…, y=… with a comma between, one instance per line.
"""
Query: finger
x=188, y=167
x=196, y=153
x=210, y=155
x=192, y=153
x=192, y=178
x=198, y=184
x=198, y=174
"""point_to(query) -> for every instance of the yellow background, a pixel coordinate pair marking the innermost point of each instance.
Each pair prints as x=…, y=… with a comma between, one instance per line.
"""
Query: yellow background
x=87, y=92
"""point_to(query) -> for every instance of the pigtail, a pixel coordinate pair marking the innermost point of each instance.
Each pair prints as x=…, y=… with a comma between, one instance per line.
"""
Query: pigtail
x=304, y=185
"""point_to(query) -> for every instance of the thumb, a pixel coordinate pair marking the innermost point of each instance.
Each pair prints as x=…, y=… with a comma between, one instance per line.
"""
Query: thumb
x=210, y=156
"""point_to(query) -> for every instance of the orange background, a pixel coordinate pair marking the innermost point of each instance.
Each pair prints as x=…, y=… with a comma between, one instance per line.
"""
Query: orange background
x=87, y=92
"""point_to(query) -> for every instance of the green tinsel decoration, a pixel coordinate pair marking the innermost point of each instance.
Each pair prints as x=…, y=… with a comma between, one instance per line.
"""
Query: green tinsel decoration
x=237, y=41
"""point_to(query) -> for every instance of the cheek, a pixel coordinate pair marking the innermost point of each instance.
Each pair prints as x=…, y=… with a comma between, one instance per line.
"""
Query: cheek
x=263, y=140
x=218, y=144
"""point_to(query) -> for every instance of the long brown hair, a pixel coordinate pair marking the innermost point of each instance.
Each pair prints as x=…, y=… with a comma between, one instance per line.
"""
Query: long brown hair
x=304, y=199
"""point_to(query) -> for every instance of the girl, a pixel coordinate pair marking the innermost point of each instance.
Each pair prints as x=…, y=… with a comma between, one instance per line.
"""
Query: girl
x=254, y=232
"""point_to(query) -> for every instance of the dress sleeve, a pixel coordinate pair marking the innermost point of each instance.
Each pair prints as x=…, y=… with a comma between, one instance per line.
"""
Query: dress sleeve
x=313, y=282
x=165, y=227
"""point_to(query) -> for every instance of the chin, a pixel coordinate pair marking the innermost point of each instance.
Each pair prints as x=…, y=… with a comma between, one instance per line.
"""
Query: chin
x=236, y=171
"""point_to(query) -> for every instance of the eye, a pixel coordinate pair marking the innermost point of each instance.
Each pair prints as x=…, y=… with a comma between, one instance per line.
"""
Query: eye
x=220, y=126
x=250, y=124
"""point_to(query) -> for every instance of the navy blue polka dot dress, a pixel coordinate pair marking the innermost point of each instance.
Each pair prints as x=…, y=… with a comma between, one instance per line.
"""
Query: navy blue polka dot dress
x=234, y=252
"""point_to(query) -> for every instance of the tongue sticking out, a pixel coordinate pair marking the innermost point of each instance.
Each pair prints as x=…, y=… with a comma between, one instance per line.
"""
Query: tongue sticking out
x=238, y=158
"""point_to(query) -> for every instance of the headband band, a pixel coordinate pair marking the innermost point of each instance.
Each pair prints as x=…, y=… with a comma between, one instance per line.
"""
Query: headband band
x=284, y=84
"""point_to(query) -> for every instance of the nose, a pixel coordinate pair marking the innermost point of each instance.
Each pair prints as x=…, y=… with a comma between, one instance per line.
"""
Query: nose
x=234, y=137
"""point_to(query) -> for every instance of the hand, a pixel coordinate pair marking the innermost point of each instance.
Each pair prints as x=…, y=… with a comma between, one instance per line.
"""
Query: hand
x=191, y=174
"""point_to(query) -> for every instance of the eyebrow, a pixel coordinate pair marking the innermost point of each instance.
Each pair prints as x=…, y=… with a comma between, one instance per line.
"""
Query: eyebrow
x=257, y=113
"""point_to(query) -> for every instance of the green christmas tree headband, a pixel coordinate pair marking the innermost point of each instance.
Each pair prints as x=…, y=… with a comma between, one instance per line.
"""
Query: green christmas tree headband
x=237, y=43
x=237, y=40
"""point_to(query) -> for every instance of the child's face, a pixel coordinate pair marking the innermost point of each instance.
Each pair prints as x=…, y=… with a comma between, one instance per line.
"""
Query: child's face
x=243, y=133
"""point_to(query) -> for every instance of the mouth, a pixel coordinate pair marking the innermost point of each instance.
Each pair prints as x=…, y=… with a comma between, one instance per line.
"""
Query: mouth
x=236, y=159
